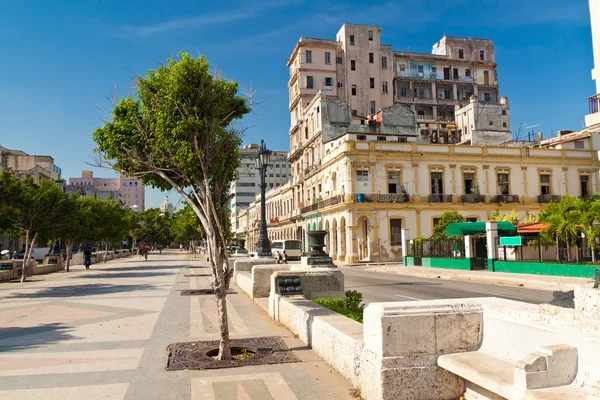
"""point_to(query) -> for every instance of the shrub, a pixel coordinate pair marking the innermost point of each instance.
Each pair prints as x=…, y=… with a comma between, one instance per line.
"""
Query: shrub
x=352, y=306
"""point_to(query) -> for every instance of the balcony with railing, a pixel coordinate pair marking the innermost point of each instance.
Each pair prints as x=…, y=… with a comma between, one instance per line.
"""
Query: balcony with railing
x=472, y=198
x=310, y=208
x=506, y=198
x=379, y=197
x=547, y=198
x=440, y=198
x=594, y=103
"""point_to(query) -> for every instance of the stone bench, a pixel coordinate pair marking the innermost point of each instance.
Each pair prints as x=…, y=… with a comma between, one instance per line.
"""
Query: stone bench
x=530, y=352
x=261, y=278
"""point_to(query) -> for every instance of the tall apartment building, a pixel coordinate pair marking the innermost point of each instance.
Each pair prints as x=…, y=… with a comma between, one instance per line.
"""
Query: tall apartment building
x=130, y=191
x=592, y=120
x=247, y=186
x=369, y=76
x=29, y=166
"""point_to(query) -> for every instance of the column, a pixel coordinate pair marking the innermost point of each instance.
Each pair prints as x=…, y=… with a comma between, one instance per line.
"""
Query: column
x=351, y=245
x=468, y=248
x=524, y=169
x=412, y=90
x=435, y=113
x=434, y=96
x=406, y=238
x=341, y=256
x=333, y=243
x=491, y=230
x=375, y=244
x=454, y=92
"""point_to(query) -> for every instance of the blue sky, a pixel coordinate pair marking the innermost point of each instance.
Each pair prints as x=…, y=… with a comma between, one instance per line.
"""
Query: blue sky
x=61, y=59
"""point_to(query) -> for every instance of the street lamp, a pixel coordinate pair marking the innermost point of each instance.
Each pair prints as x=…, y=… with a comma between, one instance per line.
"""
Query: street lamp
x=263, y=160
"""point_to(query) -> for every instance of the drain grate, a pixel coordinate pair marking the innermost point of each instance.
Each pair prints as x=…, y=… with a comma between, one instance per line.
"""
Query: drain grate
x=193, y=355
x=202, y=292
x=195, y=275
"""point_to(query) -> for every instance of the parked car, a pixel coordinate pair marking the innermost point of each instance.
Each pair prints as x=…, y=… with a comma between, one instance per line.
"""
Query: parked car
x=37, y=254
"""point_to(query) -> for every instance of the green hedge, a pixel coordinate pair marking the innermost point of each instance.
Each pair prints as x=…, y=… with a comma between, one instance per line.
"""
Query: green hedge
x=351, y=306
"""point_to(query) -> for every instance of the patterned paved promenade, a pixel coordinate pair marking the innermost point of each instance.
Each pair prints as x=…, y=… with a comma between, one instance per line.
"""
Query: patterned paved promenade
x=102, y=334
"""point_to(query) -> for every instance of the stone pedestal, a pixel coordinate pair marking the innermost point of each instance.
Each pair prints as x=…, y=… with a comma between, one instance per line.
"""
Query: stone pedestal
x=317, y=258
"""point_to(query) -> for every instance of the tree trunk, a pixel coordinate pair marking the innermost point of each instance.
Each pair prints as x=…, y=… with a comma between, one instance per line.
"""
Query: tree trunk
x=557, y=249
x=27, y=255
x=224, y=345
x=105, y=251
x=69, y=250
x=593, y=249
x=568, y=251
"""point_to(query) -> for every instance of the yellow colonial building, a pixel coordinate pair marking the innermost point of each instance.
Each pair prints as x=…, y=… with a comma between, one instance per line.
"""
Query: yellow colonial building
x=363, y=180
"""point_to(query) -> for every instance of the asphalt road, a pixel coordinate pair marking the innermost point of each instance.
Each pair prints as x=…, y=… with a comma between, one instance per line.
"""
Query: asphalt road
x=379, y=286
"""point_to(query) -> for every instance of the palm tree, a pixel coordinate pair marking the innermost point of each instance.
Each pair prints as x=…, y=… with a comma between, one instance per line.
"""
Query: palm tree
x=588, y=217
x=564, y=223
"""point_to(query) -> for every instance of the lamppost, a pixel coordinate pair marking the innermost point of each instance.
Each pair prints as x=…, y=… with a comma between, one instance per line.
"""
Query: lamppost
x=263, y=160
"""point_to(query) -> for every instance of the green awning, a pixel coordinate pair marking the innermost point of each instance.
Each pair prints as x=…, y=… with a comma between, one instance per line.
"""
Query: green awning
x=475, y=228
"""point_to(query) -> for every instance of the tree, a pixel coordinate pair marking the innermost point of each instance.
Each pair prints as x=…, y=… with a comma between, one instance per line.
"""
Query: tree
x=563, y=220
x=106, y=222
x=512, y=216
x=177, y=133
x=9, y=194
x=40, y=208
x=439, y=230
x=186, y=228
x=74, y=228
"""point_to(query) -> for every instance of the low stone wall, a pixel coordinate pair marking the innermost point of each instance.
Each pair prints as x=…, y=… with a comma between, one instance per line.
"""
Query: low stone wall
x=246, y=263
x=6, y=275
x=261, y=278
x=334, y=337
x=45, y=269
x=244, y=282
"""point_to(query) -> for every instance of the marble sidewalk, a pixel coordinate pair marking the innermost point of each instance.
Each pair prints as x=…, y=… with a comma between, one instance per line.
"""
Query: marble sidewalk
x=102, y=334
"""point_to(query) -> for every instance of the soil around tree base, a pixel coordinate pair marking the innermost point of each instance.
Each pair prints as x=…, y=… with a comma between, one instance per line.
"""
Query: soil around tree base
x=193, y=355
x=202, y=292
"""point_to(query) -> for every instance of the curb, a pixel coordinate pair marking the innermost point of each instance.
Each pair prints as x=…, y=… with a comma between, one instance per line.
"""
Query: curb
x=514, y=282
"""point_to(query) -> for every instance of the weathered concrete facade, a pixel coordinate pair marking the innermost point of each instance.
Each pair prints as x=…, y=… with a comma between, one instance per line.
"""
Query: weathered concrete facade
x=592, y=120
x=483, y=123
x=364, y=186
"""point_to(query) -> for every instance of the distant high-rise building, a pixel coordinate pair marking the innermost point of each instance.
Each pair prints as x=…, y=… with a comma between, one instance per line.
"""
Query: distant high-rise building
x=130, y=191
x=247, y=186
x=29, y=166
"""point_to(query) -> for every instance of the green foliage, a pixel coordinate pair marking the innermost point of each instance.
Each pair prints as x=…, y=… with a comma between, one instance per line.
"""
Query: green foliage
x=354, y=300
x=352, y=306
x=512, y=216
x=150, y=226
x=439, y=230
x=177, y=133
x=186, y=226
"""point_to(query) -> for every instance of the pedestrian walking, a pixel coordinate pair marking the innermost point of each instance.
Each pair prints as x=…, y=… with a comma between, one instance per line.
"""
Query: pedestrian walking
x=180, y=247
x=284, y=258
x=279, y=258
x=87, y=258
x=146, y=251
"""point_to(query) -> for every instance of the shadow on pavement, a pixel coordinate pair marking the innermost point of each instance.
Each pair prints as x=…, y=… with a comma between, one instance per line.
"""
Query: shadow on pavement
x=118, y=275
x=138, y=268
x=47, y=334
x=91, y=289
x=396, y=284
